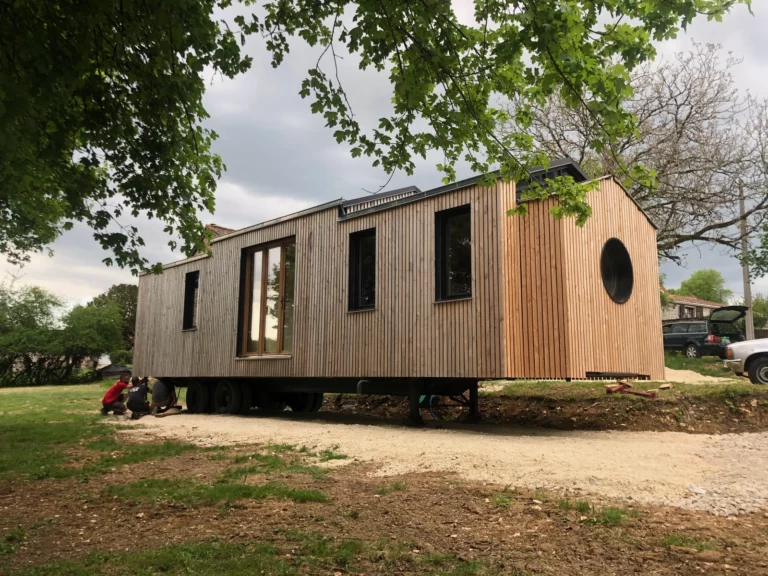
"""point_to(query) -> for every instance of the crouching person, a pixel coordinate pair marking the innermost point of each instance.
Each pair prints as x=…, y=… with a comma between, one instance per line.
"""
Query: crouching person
x=137, y=398
x=114, y=399
x=163, y=397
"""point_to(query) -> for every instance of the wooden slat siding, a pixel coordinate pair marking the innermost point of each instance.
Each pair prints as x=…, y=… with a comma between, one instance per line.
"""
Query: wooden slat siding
x=603, y=335
x=540, y=332
x=512, y=285
x=407, y=335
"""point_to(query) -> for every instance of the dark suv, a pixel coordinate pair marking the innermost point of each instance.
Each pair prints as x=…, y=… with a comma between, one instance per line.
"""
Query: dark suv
x=705, y=336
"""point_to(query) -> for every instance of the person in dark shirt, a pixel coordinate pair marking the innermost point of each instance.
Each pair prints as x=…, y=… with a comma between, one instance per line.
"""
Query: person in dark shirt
x=114, y=399
x=163, y=397
x=137, y=397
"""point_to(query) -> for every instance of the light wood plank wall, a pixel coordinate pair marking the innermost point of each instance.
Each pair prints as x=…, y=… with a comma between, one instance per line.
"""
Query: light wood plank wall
x=538, y=310
x=407, y=335
x=601, y=334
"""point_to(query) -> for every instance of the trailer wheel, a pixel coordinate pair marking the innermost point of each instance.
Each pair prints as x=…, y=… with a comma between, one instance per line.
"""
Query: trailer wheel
x=318, y=403
x=227, y=398
x=273, y=406
x=301, y=401
x=246, y=402
x=198, y=397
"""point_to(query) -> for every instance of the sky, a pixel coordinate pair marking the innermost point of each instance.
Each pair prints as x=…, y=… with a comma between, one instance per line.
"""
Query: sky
x=281, y=158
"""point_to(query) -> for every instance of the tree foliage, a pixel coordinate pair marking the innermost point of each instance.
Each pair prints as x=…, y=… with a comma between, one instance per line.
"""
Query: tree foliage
x=43, y=343
x=125, y=298
x=707, y=284
x=101, y=100
x=697, y=141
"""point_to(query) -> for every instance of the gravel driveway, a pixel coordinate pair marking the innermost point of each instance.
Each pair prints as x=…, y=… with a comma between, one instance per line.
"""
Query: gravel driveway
x=725, y=474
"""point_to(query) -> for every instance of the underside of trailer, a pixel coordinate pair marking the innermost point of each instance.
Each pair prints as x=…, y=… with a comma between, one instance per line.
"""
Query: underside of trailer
x=240, y=395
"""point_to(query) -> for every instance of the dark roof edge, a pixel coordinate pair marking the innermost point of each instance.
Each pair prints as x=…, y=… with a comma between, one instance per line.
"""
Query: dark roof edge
x=281, y=219
x=412, y=198
x=379, y=196
x=557, y=163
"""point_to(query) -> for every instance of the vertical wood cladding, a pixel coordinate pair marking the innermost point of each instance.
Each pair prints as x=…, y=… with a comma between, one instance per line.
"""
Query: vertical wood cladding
x=538, y=308
x=601, y=334
x=408, y=334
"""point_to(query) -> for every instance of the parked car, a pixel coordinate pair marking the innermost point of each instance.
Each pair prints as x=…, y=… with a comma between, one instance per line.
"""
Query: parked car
x=705, y=336
x=749, y=357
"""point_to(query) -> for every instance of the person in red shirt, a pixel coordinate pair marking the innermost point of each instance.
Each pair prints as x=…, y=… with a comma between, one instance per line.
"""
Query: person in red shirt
x=114, y=399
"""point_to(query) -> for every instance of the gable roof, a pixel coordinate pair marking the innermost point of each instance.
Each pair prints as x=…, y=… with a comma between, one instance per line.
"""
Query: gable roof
x=692, y=300
x=218, y=230
x=387, y=200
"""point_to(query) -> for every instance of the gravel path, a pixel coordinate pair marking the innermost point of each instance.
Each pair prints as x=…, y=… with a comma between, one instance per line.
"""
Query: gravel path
x=726, y=475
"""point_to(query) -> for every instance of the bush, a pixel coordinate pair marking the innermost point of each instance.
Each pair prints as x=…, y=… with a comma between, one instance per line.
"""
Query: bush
x=124, y=357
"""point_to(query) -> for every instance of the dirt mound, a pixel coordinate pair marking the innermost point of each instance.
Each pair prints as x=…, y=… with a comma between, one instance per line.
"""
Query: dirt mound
x=690, y=377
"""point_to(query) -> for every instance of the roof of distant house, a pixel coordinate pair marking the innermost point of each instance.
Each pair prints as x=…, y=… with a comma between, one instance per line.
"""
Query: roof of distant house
x=678, y=299
x=218, y=230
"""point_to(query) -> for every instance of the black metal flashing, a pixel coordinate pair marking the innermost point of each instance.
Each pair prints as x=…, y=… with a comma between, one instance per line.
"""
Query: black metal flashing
x=557, y=167
x=379, y=196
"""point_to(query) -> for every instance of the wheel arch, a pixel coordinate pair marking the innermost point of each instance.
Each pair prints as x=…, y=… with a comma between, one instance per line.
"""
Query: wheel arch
x=751, y=359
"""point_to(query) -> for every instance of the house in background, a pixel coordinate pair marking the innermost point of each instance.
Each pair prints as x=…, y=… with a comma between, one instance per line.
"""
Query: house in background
x=686, y=307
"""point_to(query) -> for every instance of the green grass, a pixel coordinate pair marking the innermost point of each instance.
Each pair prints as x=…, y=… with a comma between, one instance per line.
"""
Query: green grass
x=187, y=492
x=502, y=501
x=706, y=365
x=42, y=427
x=580, y=506
x=394, y=487
x=332, y=453
x=11, y=541
x=270, y=464
x=595, y=390
x=609, y=517
x=201, y=559
x=687, y=542
x=281, y=448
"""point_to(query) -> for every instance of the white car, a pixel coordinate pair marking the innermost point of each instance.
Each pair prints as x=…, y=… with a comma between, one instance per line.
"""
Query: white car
x=749, y=357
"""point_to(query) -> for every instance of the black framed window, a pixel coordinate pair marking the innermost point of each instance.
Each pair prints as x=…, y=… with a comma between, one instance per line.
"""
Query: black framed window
x=191, y=289
x=453, y=253
x=362, y=270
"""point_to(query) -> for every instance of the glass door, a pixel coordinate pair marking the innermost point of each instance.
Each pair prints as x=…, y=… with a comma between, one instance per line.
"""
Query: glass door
x=268, y=312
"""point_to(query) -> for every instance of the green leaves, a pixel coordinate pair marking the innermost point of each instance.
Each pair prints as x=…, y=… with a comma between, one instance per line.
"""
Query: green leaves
x=101, y=100
x=101, y=110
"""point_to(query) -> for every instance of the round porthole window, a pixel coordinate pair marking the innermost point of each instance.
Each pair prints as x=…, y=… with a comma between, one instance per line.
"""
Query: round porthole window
x=616, y=270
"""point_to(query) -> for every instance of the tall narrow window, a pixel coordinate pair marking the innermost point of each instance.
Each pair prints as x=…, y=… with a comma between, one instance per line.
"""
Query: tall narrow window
x=268, y=311
x=191, y=288
x=453, y=253
x=362, y=270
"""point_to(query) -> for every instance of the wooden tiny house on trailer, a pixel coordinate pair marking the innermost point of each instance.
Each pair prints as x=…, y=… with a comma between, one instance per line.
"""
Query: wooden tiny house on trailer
x=407, y=292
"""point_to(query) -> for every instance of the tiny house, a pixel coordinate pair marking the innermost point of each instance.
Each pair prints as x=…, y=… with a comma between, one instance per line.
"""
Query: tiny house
x=407, y=292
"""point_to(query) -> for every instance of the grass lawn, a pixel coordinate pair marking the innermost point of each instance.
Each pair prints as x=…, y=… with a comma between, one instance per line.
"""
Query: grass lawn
x=45, y=430
x=706, y=365
x=74, y=503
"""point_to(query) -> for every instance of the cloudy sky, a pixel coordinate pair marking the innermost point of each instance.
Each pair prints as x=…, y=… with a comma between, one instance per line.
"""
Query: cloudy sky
x=280, y=158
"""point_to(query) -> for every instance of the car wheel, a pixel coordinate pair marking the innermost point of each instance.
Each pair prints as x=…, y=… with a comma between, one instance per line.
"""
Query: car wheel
x=758, y=371
x=228, y=398
x=692, y=351
x=198, y=399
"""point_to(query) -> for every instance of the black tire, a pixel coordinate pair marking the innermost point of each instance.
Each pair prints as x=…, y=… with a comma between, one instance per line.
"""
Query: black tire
x=318, y=402
x=758, y=371
x=198, y=397
x=301, y=401
x=246, y=402
x=273, y=404
x=691, y=351
x=228, y=397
